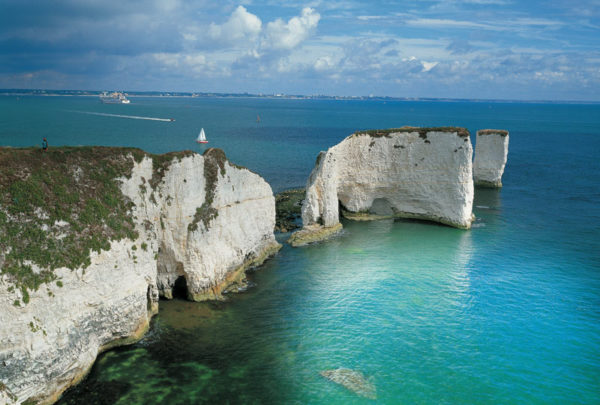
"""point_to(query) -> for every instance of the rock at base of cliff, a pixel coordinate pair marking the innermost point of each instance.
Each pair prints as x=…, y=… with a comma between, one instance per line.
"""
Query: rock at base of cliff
x=488, y=184
x=288, y=205
x=235, y=279
x=313, y=233
x=353, y=380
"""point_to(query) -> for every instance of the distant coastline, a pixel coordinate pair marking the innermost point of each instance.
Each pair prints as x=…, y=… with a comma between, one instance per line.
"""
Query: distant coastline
x=176, y=94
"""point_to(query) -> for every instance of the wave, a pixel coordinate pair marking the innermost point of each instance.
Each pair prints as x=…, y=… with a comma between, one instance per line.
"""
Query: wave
x=133, y=117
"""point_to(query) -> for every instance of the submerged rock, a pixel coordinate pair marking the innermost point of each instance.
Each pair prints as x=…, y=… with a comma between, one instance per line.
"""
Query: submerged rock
x=353, y=380
x=313, y=233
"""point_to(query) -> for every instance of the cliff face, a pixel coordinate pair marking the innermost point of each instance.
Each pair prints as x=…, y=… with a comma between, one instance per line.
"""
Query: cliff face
x=407, y=172
x=211, y=221
x=491, y=153
x=191, y=216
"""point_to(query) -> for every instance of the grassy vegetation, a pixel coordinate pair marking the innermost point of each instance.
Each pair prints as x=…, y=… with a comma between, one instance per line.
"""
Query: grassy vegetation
x=56, y=207
x=214, y=163
x=160, y=164
x=378, y=133
x=501, y=132
x=320, y=156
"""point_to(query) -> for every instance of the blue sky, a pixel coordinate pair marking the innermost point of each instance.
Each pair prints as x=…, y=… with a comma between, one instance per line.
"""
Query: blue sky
x=501, y=49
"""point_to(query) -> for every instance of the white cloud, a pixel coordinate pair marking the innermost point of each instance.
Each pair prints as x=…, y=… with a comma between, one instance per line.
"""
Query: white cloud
x=241, y=25
x=504, y=25
x=487, y=2
x=247, y=46
x=195, y=59
x=167, y=59
x=371, y=17
x=167, y=5
x=280, y=35
x=323, y=63
x=195, y=65
x=446, y=23
x=427, y=66
x=538, y=22
x=175, y=60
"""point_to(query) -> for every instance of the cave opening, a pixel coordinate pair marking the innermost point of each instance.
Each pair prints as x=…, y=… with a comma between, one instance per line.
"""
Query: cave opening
x=381, y=206
x=341, y=211
x=180, y=290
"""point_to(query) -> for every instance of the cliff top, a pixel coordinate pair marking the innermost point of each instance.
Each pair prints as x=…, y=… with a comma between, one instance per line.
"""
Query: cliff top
x=377, y=133
x=501, y=132
x=59, y=205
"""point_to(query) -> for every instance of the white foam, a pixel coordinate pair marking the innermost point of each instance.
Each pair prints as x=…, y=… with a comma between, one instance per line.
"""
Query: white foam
x=133, y=117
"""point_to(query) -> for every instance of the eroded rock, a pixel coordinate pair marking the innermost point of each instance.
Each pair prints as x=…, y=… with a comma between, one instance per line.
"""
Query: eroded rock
x=422, y=173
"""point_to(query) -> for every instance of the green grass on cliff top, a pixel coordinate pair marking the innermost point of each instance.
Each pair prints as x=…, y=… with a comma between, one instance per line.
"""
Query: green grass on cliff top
x=56, y=207
x=376, y=133
x=501, y=132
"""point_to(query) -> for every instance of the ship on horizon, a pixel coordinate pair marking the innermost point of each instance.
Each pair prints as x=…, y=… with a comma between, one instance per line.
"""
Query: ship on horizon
x=114, y=98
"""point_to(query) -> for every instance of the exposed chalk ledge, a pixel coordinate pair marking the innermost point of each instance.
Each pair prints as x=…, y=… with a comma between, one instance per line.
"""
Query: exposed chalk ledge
x=313, y=233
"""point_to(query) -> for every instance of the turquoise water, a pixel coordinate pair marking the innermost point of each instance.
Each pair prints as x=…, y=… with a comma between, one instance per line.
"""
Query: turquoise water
x=507, y=312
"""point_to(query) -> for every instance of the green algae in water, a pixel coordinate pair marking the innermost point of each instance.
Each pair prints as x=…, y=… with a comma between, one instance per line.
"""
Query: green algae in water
x=134, y=376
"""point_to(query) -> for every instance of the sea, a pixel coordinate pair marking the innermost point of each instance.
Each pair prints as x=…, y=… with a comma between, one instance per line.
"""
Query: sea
x=505, y=313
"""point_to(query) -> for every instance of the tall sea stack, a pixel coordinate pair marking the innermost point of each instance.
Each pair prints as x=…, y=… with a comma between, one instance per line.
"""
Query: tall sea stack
x=491, y=153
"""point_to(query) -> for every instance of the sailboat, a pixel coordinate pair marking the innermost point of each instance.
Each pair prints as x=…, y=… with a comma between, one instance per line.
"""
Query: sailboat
x=201, y=137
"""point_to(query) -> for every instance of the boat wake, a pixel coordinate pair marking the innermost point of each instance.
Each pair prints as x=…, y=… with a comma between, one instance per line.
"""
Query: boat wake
x=133, y=117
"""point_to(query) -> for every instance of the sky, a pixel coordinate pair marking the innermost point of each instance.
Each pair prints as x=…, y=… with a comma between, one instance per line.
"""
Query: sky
x=482, y=49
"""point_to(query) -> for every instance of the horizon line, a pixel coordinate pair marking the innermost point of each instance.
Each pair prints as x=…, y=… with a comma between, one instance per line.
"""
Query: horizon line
x=161, y=93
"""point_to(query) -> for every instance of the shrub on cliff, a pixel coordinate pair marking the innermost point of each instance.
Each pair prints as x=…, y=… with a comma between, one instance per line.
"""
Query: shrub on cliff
x=58, y=206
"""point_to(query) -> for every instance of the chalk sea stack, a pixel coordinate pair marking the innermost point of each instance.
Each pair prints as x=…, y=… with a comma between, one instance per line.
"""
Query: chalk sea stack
x=408, y=172
x=491, y=154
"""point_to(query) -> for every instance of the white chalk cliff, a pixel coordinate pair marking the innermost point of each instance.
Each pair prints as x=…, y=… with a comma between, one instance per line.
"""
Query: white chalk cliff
x=206, y=220
x=491, y=153
x=408, y=172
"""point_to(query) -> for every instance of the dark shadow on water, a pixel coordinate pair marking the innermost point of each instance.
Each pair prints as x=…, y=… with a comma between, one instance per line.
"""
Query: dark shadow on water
x=487, y=198
x=421, y=221
x=96, y=392
x=487, y=207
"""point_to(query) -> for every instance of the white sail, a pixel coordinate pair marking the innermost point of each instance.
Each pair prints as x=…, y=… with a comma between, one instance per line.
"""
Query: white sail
x=201, y=136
